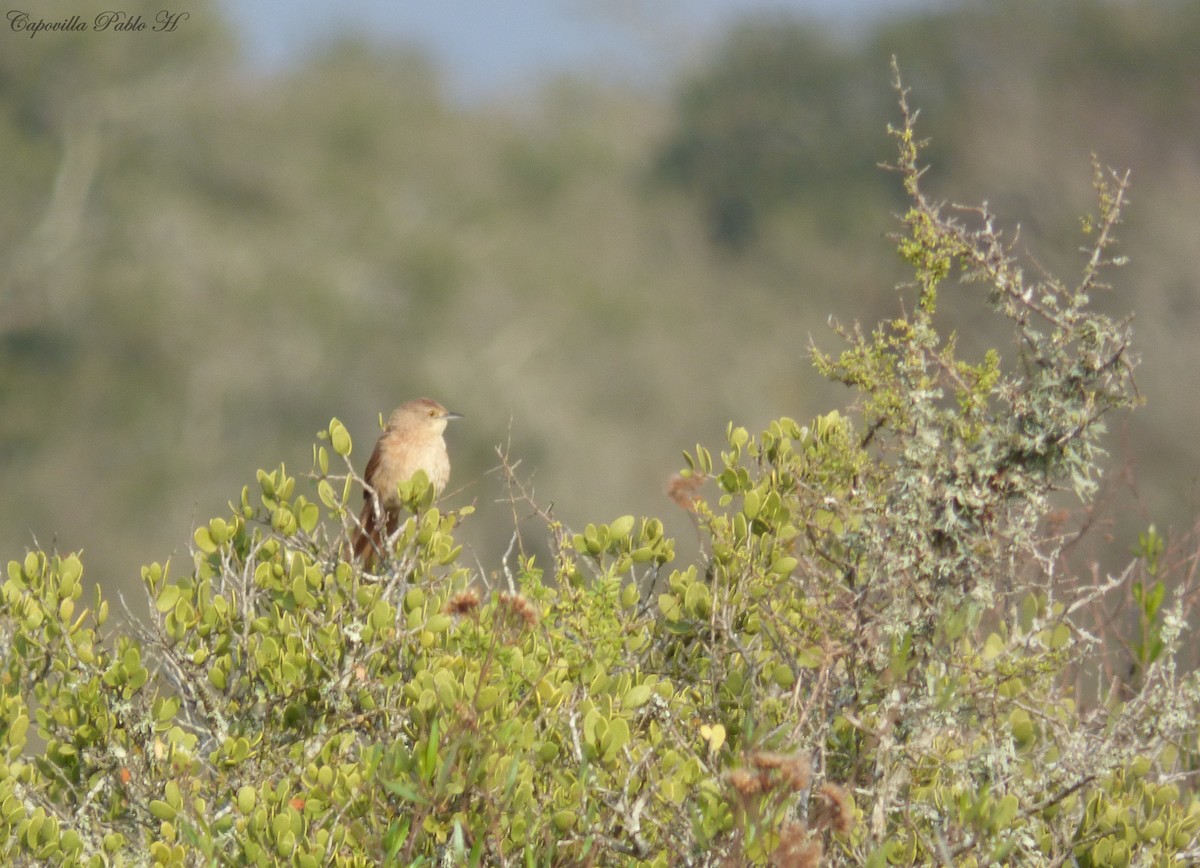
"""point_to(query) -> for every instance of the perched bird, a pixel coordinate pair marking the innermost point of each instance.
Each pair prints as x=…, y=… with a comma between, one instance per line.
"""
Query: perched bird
x=411, y=441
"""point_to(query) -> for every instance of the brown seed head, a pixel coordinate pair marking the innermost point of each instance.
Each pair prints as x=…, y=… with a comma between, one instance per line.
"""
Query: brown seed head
x=746, y=783
x=790, y=770
x=833, y=809
x=462, y=603
x=796, y=849
x=796, y=771
x=682, y=490
x=519, y=606
x=765, y=760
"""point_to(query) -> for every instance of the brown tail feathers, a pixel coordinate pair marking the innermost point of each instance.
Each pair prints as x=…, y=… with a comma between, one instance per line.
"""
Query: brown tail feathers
x=369, y=537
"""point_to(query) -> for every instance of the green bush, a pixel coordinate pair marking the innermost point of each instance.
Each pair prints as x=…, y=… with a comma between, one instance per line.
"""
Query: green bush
x=871, y=662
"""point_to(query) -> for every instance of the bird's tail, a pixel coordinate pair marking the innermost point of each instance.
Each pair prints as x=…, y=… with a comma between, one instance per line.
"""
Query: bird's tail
x=370, y=536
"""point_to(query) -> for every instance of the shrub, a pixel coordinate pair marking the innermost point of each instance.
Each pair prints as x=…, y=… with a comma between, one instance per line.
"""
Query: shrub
x=870, y=663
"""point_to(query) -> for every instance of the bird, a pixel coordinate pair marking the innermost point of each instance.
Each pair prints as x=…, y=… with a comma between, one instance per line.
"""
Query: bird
x=411, y=441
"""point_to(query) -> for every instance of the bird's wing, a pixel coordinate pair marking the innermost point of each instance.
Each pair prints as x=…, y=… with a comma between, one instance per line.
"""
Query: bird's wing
x=372, y=468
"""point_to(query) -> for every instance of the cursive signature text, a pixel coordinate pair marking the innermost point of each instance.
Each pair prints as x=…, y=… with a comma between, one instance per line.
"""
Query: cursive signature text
x=115, y=21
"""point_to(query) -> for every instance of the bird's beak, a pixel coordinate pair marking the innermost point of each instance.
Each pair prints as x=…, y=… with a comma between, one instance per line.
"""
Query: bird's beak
x=450, y=414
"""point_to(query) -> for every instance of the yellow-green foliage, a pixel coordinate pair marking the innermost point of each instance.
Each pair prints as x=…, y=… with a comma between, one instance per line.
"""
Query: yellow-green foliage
x=867, y=664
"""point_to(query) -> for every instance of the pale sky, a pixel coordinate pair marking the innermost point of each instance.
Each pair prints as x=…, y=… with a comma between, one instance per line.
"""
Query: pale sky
x=488, y=47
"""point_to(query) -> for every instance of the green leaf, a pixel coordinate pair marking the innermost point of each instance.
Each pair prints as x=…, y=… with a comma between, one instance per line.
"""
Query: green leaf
x=673, y=790
x=204, y=540
x=339, y=438
x=1059, y=637
x=168, y=598
x=618, y=736
x=1154, y=599
x=630, y=594
x=327, y=494
x=637, y=696
x=697, y=600
x=219, y=530
x=621, y=527
x=16, y=732
x=1029, y=611
x=486, y=698
x=174, y=796
x=810, y=657
x=397, y=833
x=430, y=755
x=993, y=647
x=310, y=514
x=783, y=566
x=1022, y=726
x=162, y=810
x=69, y=572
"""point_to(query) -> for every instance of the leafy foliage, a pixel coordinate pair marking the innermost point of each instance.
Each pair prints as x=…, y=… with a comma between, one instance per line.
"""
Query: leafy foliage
x=869, y=664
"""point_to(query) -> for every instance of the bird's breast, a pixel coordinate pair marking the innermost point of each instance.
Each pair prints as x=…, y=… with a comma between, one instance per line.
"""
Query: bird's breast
x=401, y=458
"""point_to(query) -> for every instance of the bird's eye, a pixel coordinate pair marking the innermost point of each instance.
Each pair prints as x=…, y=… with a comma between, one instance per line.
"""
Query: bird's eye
x=432, y=414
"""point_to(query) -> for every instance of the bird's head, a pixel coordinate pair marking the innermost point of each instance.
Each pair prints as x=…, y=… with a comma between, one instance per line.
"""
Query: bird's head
x=422, y=413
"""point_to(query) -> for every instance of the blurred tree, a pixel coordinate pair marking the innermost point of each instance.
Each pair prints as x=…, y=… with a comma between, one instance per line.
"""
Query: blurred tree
x=65, y=98
x=783, y=112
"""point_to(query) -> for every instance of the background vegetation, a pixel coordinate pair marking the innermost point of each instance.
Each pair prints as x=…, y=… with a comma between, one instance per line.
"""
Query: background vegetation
x=200, y=266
